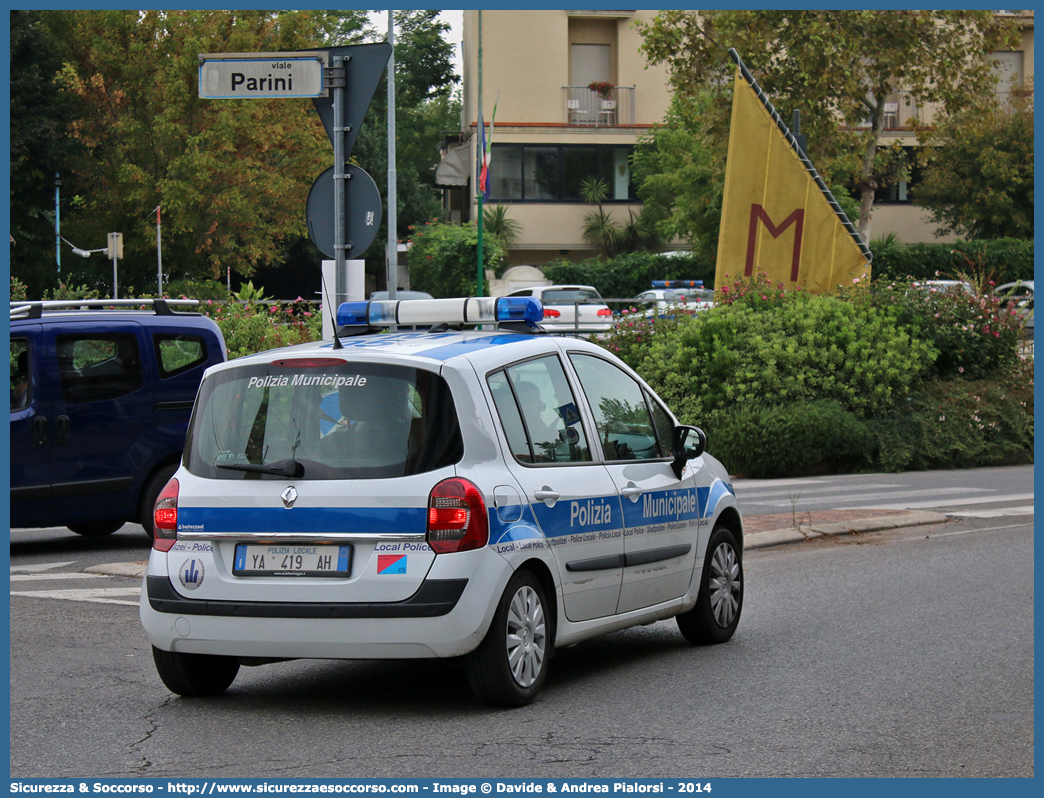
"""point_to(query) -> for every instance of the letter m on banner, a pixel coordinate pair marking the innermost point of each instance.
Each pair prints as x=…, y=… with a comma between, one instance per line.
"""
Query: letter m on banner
x=758, y=214
x=777, y=216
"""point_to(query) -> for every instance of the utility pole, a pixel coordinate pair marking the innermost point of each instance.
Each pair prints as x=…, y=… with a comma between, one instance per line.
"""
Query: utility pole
x=478, y=146
x=393, y=222
x=159, y=256
x=57, y=221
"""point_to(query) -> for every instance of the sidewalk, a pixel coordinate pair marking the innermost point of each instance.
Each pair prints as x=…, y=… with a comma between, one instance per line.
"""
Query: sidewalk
x=771, y=530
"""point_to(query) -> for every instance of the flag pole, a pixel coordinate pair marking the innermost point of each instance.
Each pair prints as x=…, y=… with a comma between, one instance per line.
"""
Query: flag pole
x=478, y=143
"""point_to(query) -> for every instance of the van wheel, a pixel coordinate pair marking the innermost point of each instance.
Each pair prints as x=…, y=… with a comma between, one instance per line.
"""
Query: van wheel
x=153, y=487
x=96, y=529
x=509, y=666
x=720, y=602
x=195, y=675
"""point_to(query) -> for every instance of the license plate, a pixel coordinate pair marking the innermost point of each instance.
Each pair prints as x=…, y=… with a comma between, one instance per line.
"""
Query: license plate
x=292, y=559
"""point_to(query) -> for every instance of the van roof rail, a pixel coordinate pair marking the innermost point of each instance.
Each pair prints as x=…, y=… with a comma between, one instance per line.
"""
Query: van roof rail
x=35, y=309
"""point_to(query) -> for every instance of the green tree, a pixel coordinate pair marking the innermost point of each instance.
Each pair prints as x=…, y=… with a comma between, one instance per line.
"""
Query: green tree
x=680, y=172
x=231, y=177
x=425, y=106
x=978, y=169
x=40, y=147
x=836, y=67
x=444, y=257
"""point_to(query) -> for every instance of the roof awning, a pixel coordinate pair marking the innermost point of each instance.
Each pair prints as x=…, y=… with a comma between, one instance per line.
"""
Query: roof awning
x=453, y=168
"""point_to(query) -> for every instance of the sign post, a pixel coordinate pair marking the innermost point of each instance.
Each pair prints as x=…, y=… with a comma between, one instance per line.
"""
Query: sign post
x=115, y=251
x=341, y=96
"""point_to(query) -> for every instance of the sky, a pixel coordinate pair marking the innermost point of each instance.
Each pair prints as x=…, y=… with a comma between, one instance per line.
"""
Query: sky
x=379, y=19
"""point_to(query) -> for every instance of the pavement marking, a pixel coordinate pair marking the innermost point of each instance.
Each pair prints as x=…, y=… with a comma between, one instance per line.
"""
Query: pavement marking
x=762, y=489
x=44, y=577
x=1012, y=497
x=1006, y=511
x=892, y=494
x=105, y=595
x=973, y=531
x=44, y=566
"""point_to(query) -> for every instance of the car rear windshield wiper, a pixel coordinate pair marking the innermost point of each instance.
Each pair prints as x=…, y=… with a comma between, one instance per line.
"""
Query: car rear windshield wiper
x=283, y=468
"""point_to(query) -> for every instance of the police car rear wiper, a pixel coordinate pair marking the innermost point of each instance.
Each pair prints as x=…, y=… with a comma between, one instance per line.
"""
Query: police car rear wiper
x=282, y=468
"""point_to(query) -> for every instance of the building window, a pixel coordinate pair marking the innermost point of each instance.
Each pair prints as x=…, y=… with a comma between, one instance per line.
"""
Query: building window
x=556, y=173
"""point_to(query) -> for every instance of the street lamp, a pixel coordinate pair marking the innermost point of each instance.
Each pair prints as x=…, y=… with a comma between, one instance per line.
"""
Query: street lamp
x=57, y=221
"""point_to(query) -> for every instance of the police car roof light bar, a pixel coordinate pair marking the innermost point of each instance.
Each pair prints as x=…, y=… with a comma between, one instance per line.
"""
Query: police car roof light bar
x=677, y=283
x=423, y=312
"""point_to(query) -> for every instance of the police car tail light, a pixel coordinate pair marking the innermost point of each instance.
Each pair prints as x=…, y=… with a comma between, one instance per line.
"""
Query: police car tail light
x=605, y=312
x=165, y=518
x=551, y=313
x=457, y=518
x=419, y=312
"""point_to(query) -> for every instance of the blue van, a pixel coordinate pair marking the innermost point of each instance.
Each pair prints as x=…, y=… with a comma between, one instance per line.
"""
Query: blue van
x=100, y=402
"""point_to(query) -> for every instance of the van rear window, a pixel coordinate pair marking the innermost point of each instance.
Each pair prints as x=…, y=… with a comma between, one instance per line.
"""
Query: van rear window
x=321, y=421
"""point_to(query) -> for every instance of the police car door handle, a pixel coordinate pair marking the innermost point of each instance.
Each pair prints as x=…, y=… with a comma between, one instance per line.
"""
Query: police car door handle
x=547, y=495
x=631, y=492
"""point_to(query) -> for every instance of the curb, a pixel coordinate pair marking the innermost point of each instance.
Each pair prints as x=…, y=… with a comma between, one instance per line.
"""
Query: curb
x=776, y=537
x=132, y=569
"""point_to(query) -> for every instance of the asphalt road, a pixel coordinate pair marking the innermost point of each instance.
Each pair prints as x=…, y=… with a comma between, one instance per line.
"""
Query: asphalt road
x=899, y=654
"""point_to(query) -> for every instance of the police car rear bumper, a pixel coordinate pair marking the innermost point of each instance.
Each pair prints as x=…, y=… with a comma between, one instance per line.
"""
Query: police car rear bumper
x=435, y=597
x=446, y=617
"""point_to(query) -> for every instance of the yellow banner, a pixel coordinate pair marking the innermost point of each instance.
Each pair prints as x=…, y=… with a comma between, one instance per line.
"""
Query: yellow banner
x=774, y=218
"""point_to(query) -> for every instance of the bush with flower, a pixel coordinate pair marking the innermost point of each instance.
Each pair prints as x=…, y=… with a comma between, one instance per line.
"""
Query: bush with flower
x=250, y=327
x=884, y=376
x=972, y=333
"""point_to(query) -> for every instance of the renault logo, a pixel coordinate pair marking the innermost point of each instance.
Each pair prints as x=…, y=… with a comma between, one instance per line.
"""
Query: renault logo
x=289, y=496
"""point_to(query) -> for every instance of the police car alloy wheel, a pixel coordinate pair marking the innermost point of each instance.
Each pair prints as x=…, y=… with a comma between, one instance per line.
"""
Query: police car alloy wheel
x=717, y=611
x=481, y=495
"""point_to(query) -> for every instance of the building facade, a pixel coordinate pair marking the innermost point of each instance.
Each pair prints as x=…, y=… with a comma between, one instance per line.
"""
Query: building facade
x=573, y=94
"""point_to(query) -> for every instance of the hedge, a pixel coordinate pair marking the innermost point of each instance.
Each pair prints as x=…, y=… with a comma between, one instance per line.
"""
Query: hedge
x=626, y=276
x=1006, y=259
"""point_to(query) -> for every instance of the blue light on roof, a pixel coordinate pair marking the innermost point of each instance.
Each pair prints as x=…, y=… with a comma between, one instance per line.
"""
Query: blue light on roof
x=520, y=308
x=352, y=314
x=677, y=283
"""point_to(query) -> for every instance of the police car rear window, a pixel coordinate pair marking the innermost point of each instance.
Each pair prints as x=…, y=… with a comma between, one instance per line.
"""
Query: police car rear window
x=327, y=420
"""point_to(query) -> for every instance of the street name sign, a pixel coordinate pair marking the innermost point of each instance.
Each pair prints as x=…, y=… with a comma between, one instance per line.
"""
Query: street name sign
x=251, y=76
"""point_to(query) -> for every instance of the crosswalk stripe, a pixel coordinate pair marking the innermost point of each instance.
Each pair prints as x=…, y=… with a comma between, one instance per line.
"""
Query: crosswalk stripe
x=1004, y=511
x=40, y=566
x=743, y=492
x=105, y=595
x=893, y=494
x=944, y=502
x=43, y=577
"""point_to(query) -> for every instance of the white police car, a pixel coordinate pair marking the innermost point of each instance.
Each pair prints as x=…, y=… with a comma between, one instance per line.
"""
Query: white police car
x=672, y=296
x=489, y=494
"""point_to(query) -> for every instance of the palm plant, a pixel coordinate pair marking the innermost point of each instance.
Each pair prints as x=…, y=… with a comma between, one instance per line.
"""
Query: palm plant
x=495, y=219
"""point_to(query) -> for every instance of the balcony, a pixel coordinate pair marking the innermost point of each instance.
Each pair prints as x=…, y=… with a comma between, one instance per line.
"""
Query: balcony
x=588, y=108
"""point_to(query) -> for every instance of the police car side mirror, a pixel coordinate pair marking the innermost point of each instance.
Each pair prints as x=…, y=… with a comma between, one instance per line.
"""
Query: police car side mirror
x=688, y=444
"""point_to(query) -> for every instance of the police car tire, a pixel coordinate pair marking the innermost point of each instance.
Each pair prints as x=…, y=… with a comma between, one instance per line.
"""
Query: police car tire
x=195, y=675
x=488, y=668
x=155, y=485
x=96, y=529
x=700, y=625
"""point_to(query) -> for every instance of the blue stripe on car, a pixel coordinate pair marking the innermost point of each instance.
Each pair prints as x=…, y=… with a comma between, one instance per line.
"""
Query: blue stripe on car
x=373, y=520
